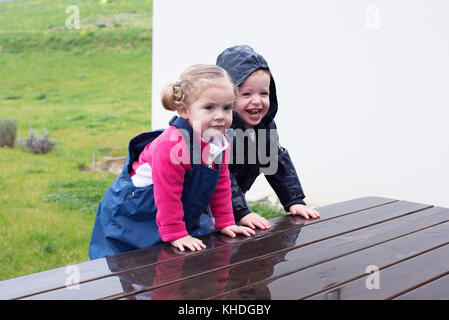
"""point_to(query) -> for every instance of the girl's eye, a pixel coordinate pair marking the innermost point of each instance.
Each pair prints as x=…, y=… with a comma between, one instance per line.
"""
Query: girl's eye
x=209, y=107
x=245, y=94
x=228, y=108
x=264, y=93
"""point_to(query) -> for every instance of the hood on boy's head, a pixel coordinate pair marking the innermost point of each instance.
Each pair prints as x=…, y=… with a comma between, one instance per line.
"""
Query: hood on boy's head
x=240, y=61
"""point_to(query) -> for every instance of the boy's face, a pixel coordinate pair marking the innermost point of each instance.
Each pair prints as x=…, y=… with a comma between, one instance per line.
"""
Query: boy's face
x=254, y=100
x=211, y=113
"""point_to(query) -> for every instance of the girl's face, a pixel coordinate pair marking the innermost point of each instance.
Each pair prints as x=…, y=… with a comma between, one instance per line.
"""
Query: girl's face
x=211, y=113
x=254, y=100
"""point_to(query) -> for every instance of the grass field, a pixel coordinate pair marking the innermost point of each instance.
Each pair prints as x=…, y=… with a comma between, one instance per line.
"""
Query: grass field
x=90, y=88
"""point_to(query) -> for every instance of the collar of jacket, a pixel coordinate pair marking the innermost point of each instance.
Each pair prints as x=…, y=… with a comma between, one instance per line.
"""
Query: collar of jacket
x=181, y=123
x=195, y=141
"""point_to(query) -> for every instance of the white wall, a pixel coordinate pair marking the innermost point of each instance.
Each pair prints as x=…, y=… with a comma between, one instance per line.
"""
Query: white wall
x=363, y=86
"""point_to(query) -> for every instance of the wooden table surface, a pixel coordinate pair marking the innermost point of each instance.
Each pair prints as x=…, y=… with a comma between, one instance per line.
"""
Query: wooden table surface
x=366, y=248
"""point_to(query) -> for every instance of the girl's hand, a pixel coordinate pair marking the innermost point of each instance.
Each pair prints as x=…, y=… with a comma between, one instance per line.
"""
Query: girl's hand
x=188, y=242
x=254, y=220
x=302, y=210
x=231, y=231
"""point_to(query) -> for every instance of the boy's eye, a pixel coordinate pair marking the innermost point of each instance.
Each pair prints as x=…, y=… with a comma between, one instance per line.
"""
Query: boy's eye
x=264, y=93
x=209, y=107
x=228, y=108
x=245, y=94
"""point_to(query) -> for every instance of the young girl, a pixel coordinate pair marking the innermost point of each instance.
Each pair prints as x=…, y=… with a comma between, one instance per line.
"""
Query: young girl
x=174, y=185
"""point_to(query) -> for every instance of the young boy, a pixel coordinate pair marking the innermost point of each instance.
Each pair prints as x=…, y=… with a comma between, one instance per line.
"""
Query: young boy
x=255, y=110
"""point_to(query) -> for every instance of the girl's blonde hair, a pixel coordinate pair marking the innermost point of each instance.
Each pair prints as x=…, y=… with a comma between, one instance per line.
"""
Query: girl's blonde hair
x=191, y=83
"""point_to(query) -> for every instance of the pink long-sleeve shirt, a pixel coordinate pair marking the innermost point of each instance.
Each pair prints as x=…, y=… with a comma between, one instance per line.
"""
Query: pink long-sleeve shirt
x=164, y=163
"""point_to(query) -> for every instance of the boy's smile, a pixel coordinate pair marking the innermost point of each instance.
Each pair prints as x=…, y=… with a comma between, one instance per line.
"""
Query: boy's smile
x=254, y=100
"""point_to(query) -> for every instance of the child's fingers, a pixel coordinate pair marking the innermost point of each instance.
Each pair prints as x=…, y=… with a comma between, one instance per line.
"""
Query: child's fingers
x=265, y=223
x=246, y=231
x=300, y=212
x=177, y=244
x=197, y=244
x=262, y=223
x=231, y=233
x=191, y=243
x=228, y=232
x=304, y=214
x=250, y=224
x=314, y=214
x=258, y=224
x=254, y=220
x=201, y=244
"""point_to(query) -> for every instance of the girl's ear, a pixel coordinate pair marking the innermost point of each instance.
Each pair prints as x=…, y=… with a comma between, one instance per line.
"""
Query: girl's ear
x=183, y=111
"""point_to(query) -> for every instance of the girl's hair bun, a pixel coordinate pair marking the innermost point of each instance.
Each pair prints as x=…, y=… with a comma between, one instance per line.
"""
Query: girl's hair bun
x=172, y=95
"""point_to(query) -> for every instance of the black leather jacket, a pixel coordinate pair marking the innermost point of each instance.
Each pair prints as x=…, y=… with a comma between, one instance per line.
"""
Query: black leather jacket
x=240, y=62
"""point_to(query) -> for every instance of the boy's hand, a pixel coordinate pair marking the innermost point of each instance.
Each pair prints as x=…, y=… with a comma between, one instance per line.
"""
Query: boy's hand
x=231, y=231
x=254, y=220
x=302, y=210
x=188, y=242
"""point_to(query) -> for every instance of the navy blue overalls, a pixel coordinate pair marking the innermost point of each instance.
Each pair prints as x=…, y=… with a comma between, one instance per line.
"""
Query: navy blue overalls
x=126, y=216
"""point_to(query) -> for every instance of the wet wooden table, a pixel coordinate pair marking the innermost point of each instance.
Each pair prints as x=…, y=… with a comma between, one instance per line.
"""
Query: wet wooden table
x=366, y=248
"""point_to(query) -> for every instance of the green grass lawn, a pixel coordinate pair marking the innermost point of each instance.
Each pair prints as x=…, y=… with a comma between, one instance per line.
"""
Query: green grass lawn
x=91, y=90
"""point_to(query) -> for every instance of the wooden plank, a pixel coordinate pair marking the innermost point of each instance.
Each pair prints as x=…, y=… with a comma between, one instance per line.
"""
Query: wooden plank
x=321, y=277
x=93, y=271
x=22, y=287
x=254, y=271
x=437, y=289
x=148, y=256
x=54, y=278
x=315, y=253
x=285, y=241
x=46, y=281
x=397, y=278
